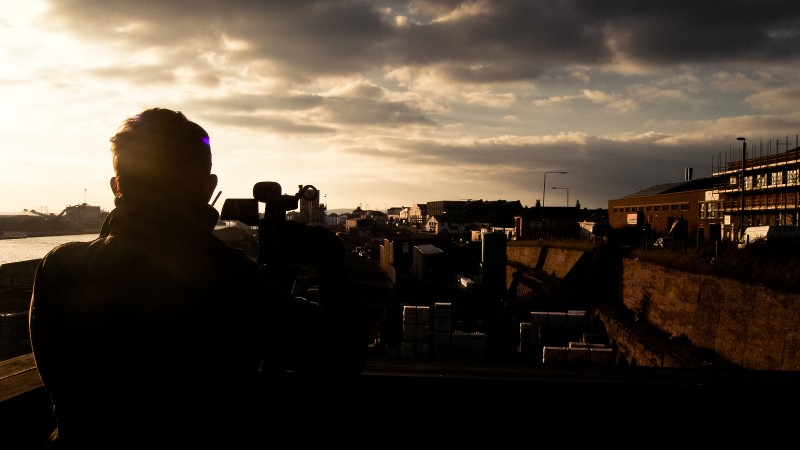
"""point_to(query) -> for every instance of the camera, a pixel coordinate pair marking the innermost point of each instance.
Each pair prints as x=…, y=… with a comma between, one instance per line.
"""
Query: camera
x=309, y=261
x=285, y=248
x=246, y=210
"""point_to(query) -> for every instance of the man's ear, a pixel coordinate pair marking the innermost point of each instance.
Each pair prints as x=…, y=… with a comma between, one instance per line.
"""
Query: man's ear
x=114, y=183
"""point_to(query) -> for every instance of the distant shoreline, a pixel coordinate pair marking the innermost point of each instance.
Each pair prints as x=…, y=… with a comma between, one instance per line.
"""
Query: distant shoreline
x=16, y=234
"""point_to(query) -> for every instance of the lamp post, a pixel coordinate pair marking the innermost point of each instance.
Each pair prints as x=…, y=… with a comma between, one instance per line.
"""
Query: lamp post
x=741, y=209
x=567, y=189
x=544, y=188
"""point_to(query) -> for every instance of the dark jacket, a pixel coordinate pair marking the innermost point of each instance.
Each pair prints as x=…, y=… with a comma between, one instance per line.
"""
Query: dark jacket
x=154, y=333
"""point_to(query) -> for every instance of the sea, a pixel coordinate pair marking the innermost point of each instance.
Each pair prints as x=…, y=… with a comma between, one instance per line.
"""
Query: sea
x=23, y=249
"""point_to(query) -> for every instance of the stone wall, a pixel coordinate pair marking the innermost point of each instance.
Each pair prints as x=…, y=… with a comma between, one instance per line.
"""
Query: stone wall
x=748, y=325
x=755, y=327
x=553, y=261
x=527, y=255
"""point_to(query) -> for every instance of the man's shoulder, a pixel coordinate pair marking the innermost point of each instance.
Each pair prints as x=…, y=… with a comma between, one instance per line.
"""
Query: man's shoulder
x=68, y=250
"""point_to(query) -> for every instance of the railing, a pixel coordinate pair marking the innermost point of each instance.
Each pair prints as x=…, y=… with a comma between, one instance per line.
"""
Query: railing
x=18, y=376
x=25, y=414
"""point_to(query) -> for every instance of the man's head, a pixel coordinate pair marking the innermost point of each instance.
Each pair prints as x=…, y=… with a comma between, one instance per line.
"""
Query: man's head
x=161, y=155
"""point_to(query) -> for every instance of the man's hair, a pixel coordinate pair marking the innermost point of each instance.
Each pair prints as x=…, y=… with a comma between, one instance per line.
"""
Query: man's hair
x=161, y=153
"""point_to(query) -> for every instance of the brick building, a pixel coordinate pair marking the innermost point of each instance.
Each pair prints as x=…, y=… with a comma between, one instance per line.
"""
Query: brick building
x=692, y=203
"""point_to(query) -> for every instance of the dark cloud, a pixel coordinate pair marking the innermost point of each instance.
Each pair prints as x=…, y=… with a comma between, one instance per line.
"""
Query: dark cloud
x=684, y=31
x=367, y=105
x=302, y=39
x=506, y=40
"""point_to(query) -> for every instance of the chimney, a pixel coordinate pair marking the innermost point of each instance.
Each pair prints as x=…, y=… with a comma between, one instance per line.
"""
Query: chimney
x=687, y=175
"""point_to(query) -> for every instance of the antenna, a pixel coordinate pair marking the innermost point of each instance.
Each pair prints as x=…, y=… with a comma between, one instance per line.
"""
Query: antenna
x=216, y=198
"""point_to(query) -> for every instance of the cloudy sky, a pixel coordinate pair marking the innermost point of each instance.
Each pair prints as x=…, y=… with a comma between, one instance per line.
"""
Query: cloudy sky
x=387, y=103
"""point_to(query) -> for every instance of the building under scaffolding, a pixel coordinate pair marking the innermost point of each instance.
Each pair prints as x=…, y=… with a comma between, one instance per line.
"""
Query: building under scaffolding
x=761, y=187
x=748, y=187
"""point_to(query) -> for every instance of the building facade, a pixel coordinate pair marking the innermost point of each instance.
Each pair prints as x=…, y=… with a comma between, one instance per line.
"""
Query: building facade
x=758, y=190
x=659, y=209
x=418, y=215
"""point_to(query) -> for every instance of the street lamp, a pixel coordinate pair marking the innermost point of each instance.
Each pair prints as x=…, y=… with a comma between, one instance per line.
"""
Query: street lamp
x=567, y=189
x=741, y=209
x=544, y=188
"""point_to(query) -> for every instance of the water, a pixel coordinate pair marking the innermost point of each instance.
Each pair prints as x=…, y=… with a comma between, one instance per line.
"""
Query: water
x=23, y=249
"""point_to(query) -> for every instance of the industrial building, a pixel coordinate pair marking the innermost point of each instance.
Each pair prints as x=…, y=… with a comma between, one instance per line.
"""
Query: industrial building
x=760, y=187
x=687, y=207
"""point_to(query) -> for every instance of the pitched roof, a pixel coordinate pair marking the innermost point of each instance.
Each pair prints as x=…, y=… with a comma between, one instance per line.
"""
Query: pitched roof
x=699, y=184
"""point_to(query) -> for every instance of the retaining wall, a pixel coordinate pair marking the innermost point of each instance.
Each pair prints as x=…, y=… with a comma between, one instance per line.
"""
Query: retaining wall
x=753, y=326
x=749, y=325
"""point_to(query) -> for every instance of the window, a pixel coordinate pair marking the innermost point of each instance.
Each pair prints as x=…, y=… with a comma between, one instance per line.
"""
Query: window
x=713, y=210
x=760, y=181
x=709, y=210
x=791, y=176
